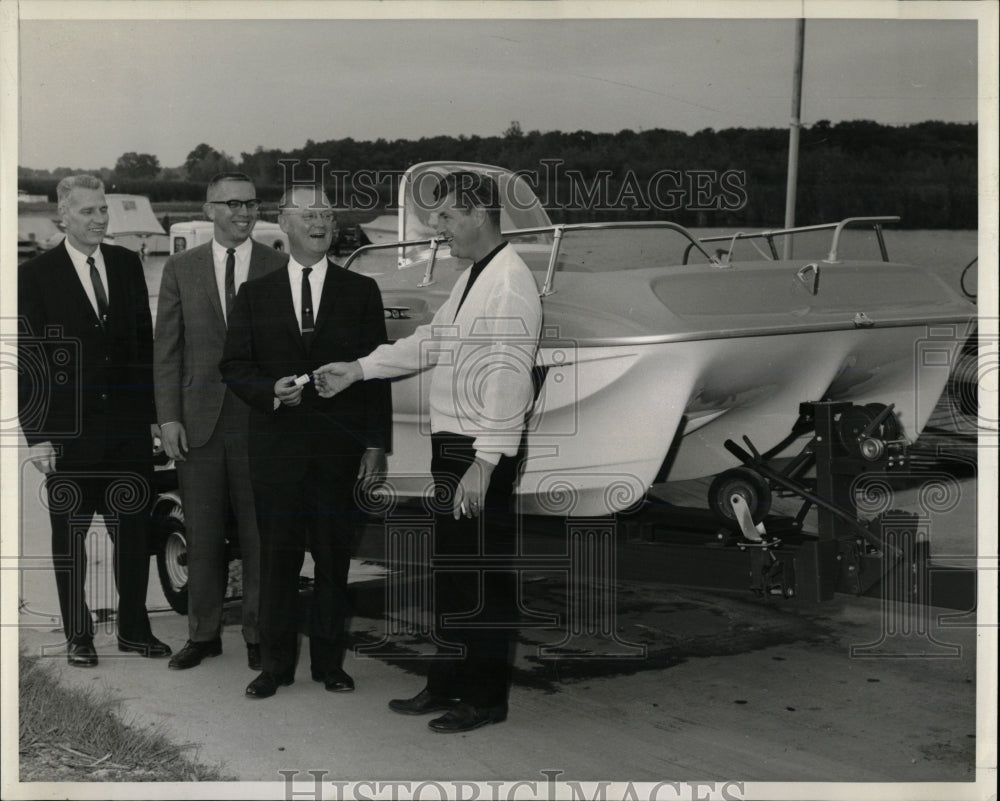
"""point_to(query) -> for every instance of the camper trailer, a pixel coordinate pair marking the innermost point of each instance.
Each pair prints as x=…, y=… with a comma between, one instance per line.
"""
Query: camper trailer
x=186, y=235
x=132, y=224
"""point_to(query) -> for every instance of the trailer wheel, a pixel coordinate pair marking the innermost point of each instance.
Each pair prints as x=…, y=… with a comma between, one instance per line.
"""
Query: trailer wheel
x=171, y=561
x=745, y=482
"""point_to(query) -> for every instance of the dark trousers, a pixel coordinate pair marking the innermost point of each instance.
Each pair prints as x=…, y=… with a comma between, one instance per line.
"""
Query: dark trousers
x=215, y=478
x=317, y=513
x=120, y=491
x=485, y=598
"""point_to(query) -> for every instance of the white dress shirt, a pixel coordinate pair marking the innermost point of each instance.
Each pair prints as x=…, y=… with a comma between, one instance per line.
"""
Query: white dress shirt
x=83, y=272
x=241, y=272
x=316, y=279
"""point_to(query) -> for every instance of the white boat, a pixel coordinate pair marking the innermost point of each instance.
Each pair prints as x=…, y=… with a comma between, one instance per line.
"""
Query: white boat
x=655, y=350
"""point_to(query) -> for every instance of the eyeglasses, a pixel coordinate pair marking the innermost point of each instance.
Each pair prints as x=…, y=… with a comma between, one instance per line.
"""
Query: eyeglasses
x=235, y=205
x=311, y=217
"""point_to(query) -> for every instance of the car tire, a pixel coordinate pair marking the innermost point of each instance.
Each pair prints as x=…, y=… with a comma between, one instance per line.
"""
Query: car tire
x=171, y=559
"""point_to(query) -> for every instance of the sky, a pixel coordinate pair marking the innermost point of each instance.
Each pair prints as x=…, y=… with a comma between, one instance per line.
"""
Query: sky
x=164, y=86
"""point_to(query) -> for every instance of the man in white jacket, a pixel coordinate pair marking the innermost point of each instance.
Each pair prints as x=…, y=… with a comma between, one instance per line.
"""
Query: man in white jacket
x=481, y=347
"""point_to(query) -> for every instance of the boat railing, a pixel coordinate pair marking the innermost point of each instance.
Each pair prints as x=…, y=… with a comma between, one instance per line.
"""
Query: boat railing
x=557, y=232
x=837, y=228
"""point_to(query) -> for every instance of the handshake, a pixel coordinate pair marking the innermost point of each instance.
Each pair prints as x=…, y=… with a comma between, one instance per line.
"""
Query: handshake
x=329, y=380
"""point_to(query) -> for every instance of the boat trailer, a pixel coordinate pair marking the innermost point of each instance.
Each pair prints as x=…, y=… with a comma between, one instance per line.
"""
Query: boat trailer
x=736, y=544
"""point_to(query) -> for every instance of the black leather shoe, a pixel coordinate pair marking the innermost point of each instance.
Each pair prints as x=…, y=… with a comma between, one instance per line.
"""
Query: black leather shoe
x=151, y=648
x=267, y=684
x=421, y=704
x=253, y=655
x=81, y=654
x=337, y=681
x=465, y=717
x=193, y=652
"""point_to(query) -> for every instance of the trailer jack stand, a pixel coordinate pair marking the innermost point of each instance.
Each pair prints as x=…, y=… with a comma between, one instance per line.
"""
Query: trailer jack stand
x=846, y=554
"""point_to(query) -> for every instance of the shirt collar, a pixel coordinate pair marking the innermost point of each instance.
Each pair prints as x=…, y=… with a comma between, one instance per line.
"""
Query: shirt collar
x=78, y=256
x=319, y=268
x=242, y=249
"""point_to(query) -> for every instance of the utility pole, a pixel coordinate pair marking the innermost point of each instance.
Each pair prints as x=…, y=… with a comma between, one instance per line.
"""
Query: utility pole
x=793, y=134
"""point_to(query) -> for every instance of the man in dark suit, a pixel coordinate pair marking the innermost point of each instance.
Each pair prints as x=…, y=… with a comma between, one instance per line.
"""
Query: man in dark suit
x=203, y=424
x=306, y=452
x=85, y=395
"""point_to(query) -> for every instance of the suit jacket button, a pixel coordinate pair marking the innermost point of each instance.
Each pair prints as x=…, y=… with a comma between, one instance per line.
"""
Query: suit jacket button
x=104, y=396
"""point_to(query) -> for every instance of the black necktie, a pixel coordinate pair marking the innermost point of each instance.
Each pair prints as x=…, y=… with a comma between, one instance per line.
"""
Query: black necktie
x=230, y=280
x=99, y=293
x=307, y=307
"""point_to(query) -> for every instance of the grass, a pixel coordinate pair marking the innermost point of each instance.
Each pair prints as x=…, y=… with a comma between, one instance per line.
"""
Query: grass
x=71, y=735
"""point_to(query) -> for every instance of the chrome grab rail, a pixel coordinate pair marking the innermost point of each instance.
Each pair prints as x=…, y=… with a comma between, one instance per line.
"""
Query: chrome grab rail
x=837, y=228
x=557, y=232
x=358, y=252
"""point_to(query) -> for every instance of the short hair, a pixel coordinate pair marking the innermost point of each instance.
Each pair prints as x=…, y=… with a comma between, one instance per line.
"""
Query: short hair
x=471, y=189
x=71, y=182
x=317, y=190
x=222, y=177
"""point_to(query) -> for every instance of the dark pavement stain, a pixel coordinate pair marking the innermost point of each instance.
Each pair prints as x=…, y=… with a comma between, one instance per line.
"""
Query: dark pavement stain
x=627, y=629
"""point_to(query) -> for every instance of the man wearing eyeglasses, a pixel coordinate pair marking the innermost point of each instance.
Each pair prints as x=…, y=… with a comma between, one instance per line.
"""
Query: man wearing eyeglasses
x=203, y=424
x=306, y=452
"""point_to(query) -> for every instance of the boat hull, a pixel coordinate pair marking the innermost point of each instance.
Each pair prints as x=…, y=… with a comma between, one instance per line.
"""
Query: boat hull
x=611, y=419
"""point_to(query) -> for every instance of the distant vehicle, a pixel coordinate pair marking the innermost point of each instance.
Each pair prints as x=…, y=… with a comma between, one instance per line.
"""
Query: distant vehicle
x=187, y=235
x=41, y=229
x=24, y=197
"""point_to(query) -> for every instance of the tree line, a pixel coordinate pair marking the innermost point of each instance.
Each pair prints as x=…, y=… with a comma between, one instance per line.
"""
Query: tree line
x=926, y=173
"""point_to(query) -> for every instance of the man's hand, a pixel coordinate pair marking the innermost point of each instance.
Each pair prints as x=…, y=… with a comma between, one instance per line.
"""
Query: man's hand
x=372, y=467
x=287, y=391
x=174, y=440
x=43, y=456
x=471, y=491
x=336, y=377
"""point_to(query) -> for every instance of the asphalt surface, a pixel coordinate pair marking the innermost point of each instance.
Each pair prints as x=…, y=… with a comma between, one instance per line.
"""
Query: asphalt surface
x=675, y=684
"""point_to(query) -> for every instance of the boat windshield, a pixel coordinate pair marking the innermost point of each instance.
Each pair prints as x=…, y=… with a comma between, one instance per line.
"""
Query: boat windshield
x=520, y=208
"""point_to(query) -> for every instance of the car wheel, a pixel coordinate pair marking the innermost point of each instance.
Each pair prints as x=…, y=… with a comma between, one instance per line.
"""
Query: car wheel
x=171, y=561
